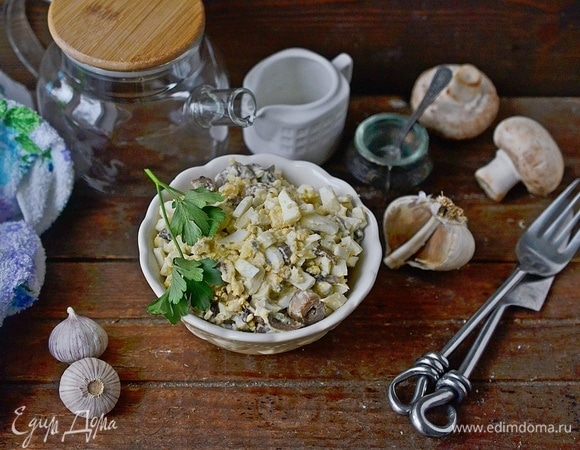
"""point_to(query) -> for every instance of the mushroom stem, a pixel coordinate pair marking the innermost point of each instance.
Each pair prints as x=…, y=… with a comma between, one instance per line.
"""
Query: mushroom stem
x=498, y=176
x=466, y=84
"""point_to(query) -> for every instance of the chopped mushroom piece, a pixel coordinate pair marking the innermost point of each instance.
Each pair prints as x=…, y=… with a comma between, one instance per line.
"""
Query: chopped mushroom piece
x=527, y=153
x=465, y=109
x=305, y=307
x=281, y=322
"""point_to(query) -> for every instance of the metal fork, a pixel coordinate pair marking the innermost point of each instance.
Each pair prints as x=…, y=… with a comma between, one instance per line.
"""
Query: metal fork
x=531, y=294
x=544, y=249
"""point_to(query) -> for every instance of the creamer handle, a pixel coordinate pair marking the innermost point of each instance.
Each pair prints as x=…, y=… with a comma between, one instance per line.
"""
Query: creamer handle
x=343, y=64
x=26, y=45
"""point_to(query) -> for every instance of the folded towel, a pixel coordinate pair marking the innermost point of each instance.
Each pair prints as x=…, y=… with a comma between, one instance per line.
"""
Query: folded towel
x=22, y=267
x=36, y=180
x=36, y=170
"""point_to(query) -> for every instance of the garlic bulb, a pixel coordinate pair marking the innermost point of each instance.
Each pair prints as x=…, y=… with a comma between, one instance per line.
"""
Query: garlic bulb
x=77, y=337
x=427, y=233
x=90, y=386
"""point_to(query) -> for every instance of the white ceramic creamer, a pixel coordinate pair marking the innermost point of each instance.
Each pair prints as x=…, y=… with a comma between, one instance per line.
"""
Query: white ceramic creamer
x=302, y=101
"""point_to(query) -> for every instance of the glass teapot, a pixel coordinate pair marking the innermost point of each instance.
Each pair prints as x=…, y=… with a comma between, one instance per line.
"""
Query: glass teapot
x=126, y=78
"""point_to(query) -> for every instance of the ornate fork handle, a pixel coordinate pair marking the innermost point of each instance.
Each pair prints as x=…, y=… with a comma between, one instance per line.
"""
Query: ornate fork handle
x=427, y=370
x=454, y=386
x=451, y=389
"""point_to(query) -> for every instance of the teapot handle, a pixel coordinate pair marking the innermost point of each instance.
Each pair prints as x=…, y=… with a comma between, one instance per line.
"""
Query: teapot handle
x=26, y=45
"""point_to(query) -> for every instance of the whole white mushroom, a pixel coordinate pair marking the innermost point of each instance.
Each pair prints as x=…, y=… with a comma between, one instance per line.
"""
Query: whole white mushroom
x=527, y=153
x=465, y=109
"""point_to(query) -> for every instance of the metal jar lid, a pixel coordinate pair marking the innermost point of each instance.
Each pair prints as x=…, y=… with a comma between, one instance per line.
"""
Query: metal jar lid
x=128, y=35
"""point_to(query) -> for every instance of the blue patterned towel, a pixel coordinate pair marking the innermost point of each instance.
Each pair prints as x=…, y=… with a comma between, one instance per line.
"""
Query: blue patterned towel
x=22, y=267
x=36, y=180
x=36, y=171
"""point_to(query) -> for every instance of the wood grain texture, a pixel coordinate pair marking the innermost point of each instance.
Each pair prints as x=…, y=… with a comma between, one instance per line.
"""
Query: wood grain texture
x=128, y=35
x=142, y=350
x=527, y=48
x=271, y=415
x=180, y=392
x=331, y=393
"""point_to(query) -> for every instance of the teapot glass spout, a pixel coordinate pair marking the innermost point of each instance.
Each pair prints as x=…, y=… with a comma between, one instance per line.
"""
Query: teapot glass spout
x=209, y=106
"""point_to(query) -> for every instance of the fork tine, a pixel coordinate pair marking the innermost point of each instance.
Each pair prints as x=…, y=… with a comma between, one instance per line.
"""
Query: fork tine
x=562, y=224
x=545, y=219
x=574, y=244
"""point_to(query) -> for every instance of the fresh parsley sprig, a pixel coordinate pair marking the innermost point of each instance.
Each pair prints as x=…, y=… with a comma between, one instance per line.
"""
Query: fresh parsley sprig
x=194, y=216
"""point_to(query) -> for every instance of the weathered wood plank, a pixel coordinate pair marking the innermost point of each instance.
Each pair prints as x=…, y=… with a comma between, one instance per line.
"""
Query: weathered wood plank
x=527, y=48
x=278, y=415
x=180, y=392
x=524, y=349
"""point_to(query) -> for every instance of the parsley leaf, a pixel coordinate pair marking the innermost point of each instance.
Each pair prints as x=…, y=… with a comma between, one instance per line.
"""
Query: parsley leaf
x=201, y=295
x=172, y=312
x=194, y=216
x=211, y=275
x=191, y=281
x=189, y=269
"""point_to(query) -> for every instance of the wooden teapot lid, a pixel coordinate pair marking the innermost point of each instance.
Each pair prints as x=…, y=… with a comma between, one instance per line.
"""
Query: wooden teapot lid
x=125, y=35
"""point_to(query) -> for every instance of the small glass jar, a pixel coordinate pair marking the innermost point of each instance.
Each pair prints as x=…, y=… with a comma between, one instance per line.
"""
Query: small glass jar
x=371, y=159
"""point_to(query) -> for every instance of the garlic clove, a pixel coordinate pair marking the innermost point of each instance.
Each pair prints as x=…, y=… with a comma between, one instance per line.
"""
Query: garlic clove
x=77, y=337
x=410, y=219
x=427, y=233
x=413, y=224
x=450, y=247
x=90, y=387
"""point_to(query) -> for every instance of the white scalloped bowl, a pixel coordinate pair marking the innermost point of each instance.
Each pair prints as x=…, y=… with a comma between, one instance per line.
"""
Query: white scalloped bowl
x=361, y=278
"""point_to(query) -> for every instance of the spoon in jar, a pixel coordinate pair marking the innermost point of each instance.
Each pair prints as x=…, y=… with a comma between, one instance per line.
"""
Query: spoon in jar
x=440, y=80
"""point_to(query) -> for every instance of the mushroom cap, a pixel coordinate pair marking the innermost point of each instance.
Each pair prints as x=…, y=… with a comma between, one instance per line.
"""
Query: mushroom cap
x=533, y=152
x=465, y=109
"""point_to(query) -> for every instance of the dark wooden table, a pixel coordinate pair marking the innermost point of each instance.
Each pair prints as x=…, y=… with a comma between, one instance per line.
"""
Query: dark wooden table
x=181, y=392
